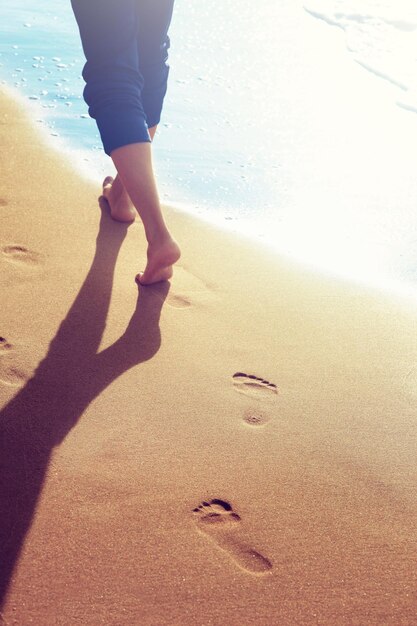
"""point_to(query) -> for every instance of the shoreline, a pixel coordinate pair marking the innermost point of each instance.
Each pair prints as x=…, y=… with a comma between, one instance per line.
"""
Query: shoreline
x=347, y=220
x=273, y=400
x=342, y=194
x=93, y=176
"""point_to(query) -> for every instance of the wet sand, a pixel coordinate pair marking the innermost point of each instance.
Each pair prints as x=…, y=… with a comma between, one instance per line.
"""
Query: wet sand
x=236, y=447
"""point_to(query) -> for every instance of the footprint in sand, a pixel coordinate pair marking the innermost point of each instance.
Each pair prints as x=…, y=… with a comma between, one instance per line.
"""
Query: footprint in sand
x=253, y=417
x=20, y=255
x=253, y=385
x=5, y=346
x=258, y=388
x=217, y=520
x=179, y=302
x=11, y=374
x=189, y=290
x=408, y=384
x=173, y=300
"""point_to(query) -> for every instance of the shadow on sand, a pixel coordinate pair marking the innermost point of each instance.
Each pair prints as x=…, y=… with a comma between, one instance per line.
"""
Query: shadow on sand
x=69, y=378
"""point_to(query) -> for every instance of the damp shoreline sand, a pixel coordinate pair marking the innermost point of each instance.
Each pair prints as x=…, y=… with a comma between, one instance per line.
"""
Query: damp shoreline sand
x=235, y=448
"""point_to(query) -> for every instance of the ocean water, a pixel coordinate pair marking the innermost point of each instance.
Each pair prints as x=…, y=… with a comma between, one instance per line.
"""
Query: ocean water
x=291, y=123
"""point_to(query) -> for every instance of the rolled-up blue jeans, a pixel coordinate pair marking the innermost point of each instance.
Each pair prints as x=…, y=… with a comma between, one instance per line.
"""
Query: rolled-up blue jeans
x=126, y=46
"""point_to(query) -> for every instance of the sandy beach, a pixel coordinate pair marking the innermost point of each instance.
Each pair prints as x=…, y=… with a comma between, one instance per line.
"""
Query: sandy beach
x=237, y=447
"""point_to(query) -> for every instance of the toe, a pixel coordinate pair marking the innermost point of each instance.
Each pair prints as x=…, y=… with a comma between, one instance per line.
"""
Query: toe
x=109, y=180
x=107, y=185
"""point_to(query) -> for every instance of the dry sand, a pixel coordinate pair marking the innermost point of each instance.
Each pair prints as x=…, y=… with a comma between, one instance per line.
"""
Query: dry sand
x=143, y=482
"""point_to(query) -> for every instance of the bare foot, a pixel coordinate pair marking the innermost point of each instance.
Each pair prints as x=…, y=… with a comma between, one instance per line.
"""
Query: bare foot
x=161, y=257
x=121, y=207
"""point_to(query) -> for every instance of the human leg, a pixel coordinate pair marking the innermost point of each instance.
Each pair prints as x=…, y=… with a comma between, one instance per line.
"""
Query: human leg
x=154, y=19
x=109, y=33
x=134, y=165
x=121, y=206
x=114, y=83
x=153, y=42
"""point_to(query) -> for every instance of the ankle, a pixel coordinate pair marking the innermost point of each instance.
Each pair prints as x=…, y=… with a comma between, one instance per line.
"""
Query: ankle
x=158, y=236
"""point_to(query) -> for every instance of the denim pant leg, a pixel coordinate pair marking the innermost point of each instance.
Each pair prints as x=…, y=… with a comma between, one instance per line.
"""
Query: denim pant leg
x=114, y=83
x=154, y=18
